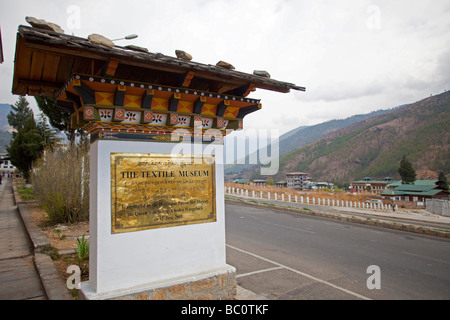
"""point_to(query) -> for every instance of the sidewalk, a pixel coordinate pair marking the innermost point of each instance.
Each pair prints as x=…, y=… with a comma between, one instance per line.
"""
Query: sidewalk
x=19, y=279
x=25, y=272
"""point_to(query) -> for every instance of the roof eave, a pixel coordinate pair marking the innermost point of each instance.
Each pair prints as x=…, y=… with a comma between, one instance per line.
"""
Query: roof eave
x=62, y=44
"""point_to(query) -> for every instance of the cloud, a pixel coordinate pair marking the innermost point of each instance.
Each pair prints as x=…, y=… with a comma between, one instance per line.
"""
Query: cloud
x=443, y=67
x=352, y=57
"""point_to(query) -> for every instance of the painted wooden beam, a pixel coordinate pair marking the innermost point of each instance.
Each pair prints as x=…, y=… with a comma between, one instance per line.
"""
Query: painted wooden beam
x=221, y=107
x=147, y=99
x=198, y=105
x=185, y=80
x=74, y=99
x=86, y=94
x=110, y=67
x=246, y=110
x=173, y=101
x=119, y=96
x=244, y=90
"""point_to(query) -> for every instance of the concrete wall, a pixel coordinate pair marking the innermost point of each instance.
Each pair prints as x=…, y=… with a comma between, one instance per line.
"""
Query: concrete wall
x=440, y=207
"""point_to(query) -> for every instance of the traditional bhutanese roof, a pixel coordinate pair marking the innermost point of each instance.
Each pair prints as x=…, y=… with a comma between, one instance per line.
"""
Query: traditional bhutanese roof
x=431, y=192
x=387, y=180
x=415, y=188
x=373, y=181
x=398, y=183
x=45, y=60
x=241, y=180
x=419, y=188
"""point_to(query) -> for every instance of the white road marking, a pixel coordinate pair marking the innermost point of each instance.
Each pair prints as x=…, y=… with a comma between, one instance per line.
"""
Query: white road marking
x=425, y=257
x=258, y=271
x=301, y=273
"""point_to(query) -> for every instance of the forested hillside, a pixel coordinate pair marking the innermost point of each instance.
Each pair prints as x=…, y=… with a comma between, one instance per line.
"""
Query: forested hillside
x=374, y=147
x=304, y=135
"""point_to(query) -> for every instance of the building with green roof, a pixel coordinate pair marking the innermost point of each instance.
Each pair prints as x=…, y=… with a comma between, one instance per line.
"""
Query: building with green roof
x=419, y=191
x=371, y=185
x=258, y=182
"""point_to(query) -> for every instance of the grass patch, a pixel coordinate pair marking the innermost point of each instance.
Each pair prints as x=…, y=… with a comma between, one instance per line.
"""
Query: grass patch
x=25, y=193
x=269, y=204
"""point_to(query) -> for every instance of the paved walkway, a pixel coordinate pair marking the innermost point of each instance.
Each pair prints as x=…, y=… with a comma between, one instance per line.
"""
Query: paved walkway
x=19, y=279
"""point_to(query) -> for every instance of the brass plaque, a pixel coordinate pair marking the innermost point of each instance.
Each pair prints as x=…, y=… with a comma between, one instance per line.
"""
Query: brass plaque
x=161, y=190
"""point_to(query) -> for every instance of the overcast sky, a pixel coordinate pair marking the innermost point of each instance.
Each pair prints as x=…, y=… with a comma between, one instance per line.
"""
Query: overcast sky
x=353, y=57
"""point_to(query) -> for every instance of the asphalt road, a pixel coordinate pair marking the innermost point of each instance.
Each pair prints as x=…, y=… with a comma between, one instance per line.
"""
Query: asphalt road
x=284, y=255
x=330, y=209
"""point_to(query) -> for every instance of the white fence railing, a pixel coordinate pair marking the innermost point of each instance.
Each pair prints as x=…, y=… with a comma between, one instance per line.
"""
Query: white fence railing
x=240, y=192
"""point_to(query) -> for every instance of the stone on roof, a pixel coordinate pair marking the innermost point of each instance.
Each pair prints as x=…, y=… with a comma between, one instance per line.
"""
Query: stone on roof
x=100, y=40
x=61, y=55
x=42, y=24
x=183, y=55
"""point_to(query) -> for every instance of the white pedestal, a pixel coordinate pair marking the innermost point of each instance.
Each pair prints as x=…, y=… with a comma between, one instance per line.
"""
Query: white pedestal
x=123, y=263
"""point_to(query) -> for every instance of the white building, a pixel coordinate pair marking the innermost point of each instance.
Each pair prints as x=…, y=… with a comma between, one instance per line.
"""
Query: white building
x=297, y=180
x=5, y=164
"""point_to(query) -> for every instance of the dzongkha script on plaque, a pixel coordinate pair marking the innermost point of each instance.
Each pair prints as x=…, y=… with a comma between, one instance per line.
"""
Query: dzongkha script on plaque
x=161, y=190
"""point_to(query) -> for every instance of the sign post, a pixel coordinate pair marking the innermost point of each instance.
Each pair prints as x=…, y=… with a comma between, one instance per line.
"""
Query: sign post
x=157, y=225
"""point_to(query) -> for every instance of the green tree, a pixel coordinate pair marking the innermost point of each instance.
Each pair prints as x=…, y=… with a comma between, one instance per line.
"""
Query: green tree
x=59, y=118
x=26, y=147
x=47, y=133
x=443, y=179
x=406, y=171
x=19, y=115
x=30, y=138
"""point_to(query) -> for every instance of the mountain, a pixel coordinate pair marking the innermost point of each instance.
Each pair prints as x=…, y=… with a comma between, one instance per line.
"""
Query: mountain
x=5, y=135
x=309, y=134
x=375, y=146
x=5, y=138
x=4, y=111
x=304, y=135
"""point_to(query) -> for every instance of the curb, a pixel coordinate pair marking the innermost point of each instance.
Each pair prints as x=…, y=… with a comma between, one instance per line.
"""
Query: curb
x=375, y=222
x=54, y=286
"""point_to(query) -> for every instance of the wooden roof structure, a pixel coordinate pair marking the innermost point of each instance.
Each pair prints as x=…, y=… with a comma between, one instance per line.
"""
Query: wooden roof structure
x=45, y=60
x=128, y=92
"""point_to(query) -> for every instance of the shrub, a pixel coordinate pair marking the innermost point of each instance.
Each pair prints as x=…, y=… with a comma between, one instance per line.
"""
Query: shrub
x=61, y=184
x=82, y=252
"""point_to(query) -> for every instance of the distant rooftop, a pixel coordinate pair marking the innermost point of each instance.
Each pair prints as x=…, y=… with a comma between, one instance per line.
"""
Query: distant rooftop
x=296, y=173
